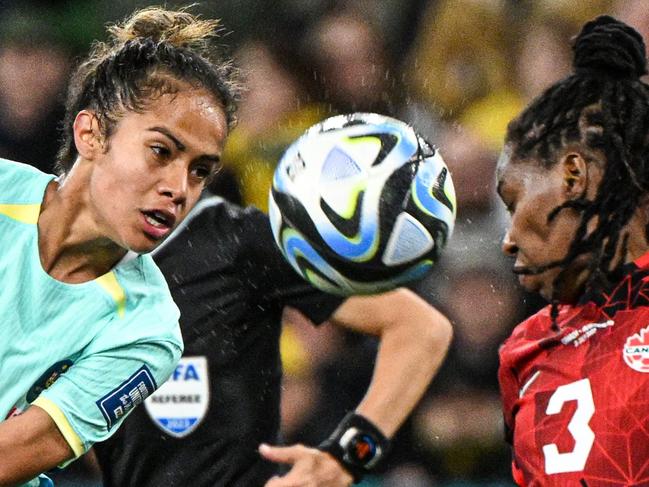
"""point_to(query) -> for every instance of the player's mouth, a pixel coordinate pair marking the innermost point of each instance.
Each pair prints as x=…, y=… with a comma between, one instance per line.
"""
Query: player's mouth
x=526, y=275
x=522, y=270
x=158, y=223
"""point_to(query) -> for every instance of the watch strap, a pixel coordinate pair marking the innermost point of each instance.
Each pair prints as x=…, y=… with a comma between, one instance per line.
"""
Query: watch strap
x=357, y=444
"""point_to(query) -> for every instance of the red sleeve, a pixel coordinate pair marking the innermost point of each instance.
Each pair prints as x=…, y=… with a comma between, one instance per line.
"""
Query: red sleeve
x=509, y=386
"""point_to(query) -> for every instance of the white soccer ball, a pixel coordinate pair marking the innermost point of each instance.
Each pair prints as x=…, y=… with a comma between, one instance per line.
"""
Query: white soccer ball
x=361, y=204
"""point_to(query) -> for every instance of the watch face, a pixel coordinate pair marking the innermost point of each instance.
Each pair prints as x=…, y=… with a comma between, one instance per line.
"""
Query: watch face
x=360, y=448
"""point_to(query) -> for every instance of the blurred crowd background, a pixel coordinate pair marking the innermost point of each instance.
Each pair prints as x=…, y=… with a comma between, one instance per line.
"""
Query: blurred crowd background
x=457, y=70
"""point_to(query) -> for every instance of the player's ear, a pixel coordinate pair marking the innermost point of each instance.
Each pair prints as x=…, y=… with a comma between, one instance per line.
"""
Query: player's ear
x=574, y=174
x=87, y=135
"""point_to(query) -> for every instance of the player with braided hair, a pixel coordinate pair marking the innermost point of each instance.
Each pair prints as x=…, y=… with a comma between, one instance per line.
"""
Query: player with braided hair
x=87, y=322
x=574, y=175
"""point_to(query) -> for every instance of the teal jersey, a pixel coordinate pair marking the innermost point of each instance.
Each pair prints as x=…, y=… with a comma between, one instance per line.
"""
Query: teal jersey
x=86, y=353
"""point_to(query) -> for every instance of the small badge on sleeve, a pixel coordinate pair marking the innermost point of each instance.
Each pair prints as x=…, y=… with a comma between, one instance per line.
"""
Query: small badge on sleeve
x=125, y=397
x=180, y=404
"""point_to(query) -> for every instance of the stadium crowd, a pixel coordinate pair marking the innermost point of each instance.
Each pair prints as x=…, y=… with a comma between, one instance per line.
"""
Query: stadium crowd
x=457, y=70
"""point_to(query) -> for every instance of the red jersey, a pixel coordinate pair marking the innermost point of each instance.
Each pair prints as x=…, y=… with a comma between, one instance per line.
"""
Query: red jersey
x=576, y=398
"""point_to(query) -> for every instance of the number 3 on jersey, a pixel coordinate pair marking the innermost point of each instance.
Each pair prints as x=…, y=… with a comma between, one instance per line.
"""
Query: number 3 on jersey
x=584, y=437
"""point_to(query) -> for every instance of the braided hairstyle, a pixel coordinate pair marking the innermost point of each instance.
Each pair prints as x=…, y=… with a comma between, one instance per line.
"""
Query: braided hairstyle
x=152, y=53
x=603, y=107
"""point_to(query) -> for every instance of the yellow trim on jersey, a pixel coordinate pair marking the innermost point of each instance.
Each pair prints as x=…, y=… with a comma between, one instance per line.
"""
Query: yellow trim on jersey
x=22, y=213
x=62, y=423
x=112, y=287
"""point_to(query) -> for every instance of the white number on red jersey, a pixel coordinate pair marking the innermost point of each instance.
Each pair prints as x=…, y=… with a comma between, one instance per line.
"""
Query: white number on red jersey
x=573, y=461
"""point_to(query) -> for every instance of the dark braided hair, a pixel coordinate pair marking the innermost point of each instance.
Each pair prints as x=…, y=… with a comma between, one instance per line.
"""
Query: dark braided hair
x=603, y=107
x=152, y=53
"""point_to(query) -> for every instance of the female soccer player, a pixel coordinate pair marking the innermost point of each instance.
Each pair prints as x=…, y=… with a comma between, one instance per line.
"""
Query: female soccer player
x=88, y=325
x=575, y=176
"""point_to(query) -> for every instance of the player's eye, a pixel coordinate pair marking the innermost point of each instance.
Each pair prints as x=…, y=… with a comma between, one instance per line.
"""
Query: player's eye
x=160, y=151
x=204, y=172
x=201, y=172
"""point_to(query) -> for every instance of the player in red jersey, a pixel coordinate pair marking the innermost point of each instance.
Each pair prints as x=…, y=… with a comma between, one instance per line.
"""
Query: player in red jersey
x=574, y=175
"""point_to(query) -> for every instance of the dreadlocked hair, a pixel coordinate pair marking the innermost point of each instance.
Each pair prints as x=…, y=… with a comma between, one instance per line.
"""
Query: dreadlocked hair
x=152, y=53
x=603, y=107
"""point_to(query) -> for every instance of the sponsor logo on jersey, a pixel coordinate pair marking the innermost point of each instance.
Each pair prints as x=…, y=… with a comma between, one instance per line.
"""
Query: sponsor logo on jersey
x=636, y=351
x=125, y=397
x=47, y=379
x=580, y=335
x=180, y=404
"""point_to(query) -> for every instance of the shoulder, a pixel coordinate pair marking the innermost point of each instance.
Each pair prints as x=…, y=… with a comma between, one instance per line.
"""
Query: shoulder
x=17, y=169
x=528, y=333
x=149, y=306
x=518, y=355
x=152, y=288
x=21, y=183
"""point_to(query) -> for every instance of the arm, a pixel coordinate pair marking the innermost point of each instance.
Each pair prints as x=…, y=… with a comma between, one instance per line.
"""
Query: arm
x=414, y=338
x=30, y=444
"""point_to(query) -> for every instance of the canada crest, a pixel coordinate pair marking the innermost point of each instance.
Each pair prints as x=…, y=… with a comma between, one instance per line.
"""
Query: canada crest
x=180, y=404
x=636, y=351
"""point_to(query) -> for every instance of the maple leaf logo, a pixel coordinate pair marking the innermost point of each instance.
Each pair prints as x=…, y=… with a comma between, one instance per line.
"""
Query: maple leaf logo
x=636, y=351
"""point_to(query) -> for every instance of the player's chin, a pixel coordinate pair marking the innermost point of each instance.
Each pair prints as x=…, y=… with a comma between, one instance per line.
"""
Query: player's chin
x=539, y=284
x=534, y=283
x=144, y=244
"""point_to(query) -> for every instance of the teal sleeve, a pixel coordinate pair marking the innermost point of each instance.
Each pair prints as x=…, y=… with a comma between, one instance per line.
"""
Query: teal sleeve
x=21, y=183
x=90, y=400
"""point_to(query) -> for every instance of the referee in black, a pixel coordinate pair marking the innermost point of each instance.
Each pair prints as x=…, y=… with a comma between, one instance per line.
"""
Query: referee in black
x=213, y=423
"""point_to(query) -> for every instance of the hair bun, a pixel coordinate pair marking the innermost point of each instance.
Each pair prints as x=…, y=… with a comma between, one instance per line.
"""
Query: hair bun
x=608, y=47
x=179, y=28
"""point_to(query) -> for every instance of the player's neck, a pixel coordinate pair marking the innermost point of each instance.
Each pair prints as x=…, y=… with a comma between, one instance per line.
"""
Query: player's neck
x=71, y=247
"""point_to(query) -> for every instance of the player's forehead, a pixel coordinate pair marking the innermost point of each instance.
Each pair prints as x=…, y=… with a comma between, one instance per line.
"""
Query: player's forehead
x=507, y=173
x=192, y=119
x=514, y=175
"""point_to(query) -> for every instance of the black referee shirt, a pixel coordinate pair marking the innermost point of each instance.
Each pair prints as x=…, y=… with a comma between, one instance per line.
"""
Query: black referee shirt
x=231, y=283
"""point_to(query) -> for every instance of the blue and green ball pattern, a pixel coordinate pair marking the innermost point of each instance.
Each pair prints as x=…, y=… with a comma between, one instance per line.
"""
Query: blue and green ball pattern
x=393, y=216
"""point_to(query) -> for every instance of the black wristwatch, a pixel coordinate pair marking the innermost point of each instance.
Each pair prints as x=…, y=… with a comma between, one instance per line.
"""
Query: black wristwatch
x=357, y=444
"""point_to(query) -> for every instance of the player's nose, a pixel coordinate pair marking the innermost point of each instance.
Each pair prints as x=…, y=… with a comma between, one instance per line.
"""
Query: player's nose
x=509, y=247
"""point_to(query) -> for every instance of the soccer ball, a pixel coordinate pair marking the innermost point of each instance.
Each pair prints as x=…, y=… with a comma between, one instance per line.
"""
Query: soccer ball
x=361, y=204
